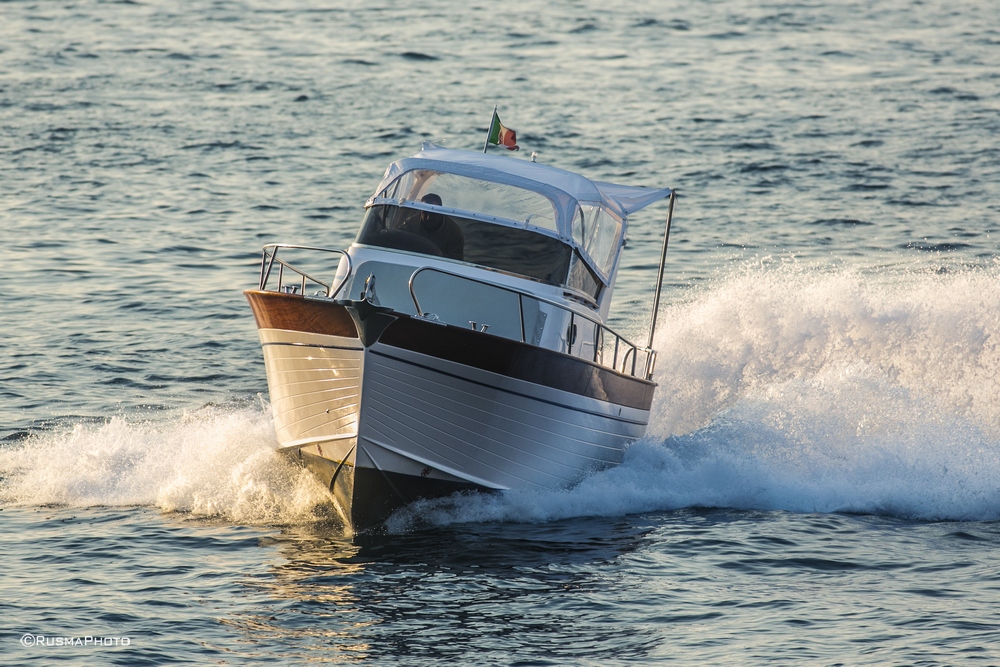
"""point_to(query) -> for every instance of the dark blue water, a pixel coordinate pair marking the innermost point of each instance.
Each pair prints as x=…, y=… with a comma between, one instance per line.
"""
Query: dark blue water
x=821, y=479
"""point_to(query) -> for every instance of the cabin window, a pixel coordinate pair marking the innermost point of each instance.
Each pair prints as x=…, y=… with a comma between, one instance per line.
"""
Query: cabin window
x=582, y=277
x=598, y=232
x=496, y=200
x=510, y=249
x=604, y=244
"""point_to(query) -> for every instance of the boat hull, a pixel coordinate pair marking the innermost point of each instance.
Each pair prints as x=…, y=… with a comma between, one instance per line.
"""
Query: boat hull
x=387, y=409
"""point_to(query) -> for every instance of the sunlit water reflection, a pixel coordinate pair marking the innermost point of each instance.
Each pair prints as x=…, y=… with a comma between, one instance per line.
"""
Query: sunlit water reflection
x=828, y=348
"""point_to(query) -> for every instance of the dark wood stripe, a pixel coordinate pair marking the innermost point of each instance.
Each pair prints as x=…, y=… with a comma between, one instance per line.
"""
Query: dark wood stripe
x=319, y=347
x=519, y=360
x=294, y=312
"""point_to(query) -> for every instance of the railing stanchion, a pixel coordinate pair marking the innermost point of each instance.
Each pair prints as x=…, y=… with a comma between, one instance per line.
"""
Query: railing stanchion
x=650, y=363
x=270, y=263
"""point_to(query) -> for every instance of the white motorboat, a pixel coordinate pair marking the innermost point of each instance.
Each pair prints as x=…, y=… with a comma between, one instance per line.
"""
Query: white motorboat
x=461, y=343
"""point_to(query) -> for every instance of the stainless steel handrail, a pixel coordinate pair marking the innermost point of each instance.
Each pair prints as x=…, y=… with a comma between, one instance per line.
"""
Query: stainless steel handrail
x=632, y=348
x=269, y=258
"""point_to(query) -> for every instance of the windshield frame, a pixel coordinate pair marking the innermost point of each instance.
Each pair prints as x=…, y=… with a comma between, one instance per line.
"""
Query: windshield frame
x=562, y=268
x=603, y=275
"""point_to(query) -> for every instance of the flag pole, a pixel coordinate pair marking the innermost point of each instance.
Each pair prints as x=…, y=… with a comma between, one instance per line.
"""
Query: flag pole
x=489, y=131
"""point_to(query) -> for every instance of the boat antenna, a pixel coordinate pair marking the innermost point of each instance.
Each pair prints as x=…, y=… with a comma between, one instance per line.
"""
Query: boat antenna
x=659, y=276
x=489, y=130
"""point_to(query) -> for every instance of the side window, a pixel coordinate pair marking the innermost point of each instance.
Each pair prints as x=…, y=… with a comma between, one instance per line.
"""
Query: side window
x=597, y=232
x=373, y=223
x=604, y=241
x=582, y=278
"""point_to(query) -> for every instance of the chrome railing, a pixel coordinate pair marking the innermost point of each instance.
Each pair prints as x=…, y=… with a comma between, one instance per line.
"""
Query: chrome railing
x=269, y=258
x=608, y=348
x=624, y=355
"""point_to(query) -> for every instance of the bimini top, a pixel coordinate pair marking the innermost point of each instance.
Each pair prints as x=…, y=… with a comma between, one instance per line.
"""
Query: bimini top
x=589, y=215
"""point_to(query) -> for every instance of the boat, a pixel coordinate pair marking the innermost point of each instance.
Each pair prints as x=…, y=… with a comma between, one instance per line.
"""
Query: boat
x=460, y=343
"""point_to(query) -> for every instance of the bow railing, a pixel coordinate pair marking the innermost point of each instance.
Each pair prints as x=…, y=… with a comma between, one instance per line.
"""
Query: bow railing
x=302, y=279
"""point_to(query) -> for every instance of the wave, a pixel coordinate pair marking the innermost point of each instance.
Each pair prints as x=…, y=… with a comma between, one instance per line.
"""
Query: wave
x=780, y=388
x=843, y=442
x=786, y=388
x=935, y=336
x=215, y=462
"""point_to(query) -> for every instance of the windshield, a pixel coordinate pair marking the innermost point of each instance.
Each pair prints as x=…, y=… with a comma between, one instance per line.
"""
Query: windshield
x=474, y=195
x=425, y=231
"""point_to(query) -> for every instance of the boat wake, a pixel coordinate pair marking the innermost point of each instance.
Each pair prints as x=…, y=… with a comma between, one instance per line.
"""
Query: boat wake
x=759, y=455
x=213, y=462
x=788, y=389
x=780, y=389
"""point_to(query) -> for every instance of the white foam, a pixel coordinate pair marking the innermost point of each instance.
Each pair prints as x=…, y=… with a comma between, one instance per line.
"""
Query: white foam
x=211, y=462
x=779, y=388
x=788, y=389
x=937, y=336
x=784, y=451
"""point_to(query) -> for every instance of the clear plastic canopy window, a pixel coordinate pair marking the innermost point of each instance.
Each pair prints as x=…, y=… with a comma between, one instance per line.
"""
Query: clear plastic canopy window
x=598, y=233
x=473, y=195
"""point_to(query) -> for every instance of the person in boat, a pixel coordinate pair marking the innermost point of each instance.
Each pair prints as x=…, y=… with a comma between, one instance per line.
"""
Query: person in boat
x=437, y=228
x=426, y=232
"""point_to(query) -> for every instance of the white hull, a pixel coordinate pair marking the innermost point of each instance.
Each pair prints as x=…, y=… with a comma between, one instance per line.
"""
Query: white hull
x=392, y=408
x=426, y=416
x=314, y=381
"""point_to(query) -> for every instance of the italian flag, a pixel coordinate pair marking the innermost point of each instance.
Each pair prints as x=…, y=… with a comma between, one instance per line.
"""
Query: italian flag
x=502, y=136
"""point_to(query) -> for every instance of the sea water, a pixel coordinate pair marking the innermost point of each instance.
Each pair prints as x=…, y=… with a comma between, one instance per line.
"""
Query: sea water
x=820, y=482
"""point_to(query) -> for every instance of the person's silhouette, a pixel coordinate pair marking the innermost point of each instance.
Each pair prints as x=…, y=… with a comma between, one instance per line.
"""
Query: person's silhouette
x=438, y=228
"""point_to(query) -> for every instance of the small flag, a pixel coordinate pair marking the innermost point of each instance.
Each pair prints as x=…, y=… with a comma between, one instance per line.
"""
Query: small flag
x=501, y=135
